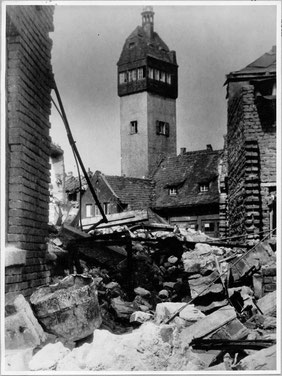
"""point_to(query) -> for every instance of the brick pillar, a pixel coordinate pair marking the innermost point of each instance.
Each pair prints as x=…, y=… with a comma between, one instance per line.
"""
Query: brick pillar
x=29, y=82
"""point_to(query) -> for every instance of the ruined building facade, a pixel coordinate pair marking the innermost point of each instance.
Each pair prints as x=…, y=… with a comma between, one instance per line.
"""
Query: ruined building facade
x=147, y=87
x=250, y=208
x=29, y=81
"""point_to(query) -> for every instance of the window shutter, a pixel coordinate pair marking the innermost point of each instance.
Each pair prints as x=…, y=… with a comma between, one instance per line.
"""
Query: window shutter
x=167, y=129
x=157, y=127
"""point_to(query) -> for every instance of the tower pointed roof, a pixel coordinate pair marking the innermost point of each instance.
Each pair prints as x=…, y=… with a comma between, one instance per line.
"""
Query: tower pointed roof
x=144, y=41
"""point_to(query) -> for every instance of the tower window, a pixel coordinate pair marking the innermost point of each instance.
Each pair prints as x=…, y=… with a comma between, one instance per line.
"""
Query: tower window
x=157, y=74
x=151, y=73
x=162, y=128
x=204, y=187
x=168, y=78
x=140, y=73
x=133, y=127
x=122, y=78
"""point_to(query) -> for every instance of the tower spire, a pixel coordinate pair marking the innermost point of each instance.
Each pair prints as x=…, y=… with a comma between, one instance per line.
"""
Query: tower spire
x=148, y=21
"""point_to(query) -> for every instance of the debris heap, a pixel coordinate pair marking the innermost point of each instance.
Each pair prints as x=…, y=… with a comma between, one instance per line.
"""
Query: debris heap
x=151, y=298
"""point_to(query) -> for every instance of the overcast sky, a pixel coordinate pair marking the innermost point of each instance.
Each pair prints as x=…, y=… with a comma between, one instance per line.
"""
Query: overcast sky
x=210, y=41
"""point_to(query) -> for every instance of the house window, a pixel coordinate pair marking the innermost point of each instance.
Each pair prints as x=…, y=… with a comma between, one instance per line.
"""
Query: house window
x=162, y=77
x=88, y=210
x=129, y=76
x=133, y=127
x=204, y=187
x=208, y=227
x=122, y=78
x=140, y=73
x=162, y=128
x=97, y=211
x=172, y=191
x=106, y=207
x=168, y=78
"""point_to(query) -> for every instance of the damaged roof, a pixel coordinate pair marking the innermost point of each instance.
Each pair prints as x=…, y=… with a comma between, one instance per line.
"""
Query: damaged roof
x=135, y=192
x=186, y=173
x=265, y=65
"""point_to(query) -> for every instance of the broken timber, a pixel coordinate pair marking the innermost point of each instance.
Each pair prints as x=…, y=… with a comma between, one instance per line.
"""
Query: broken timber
x=231, y=345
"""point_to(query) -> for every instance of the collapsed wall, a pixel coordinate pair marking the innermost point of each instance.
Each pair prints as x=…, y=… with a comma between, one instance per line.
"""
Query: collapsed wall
x=28, y=87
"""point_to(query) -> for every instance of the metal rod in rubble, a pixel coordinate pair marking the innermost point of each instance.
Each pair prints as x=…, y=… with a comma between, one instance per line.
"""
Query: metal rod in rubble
x=217, y=277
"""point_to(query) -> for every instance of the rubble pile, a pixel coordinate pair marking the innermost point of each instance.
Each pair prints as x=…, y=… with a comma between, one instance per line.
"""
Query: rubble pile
x=173, y=301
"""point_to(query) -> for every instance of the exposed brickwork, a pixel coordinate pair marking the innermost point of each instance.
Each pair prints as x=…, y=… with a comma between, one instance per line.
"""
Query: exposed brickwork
x=268, y=279
x=29, y=83
x=251, y=164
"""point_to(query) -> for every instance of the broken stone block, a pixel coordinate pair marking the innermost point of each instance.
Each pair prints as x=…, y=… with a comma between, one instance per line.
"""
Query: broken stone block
x=232, y=330
x=48, y=357
x=142, y=292
x=140, y=317
x=200, y=260
x=208, y=324
x=205, y=284
x=191, y=314
x=267, y=304
x=172, y=259
x=123, y=309
x=69, y=310
x=22, y=329
x=165, y=310
x=257, y=285
x=17, y=360
x=264, y=359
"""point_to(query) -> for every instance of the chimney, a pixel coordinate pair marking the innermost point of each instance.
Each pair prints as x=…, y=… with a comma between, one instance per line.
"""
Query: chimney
x=209, y=147
x=148, y=21
x=182, y=151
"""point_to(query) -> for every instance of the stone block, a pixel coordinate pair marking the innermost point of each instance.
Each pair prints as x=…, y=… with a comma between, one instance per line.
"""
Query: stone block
x=48, y=357
x=208, y=325
x=264, y=359
x=69, y=309
x=22, y=329
x=267, y=304
x=14, y=256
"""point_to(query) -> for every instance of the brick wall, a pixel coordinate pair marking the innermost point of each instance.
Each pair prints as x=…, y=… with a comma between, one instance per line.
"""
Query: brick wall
x=251, y=165
x=28, y=87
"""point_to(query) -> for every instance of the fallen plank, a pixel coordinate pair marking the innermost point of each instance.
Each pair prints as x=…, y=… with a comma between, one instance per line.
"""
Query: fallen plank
x=208, y=325
x=231, y=345
x=116, y=219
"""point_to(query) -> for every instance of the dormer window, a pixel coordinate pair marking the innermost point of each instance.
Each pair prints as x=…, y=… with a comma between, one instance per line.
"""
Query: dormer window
x=204, y=187
x=131, y=44
x=172, y=191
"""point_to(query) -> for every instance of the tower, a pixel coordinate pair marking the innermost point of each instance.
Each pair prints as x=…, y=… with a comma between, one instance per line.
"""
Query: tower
x=148, y=88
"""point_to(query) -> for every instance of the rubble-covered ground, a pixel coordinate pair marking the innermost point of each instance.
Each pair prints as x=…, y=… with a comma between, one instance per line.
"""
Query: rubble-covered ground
x=182, y=302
